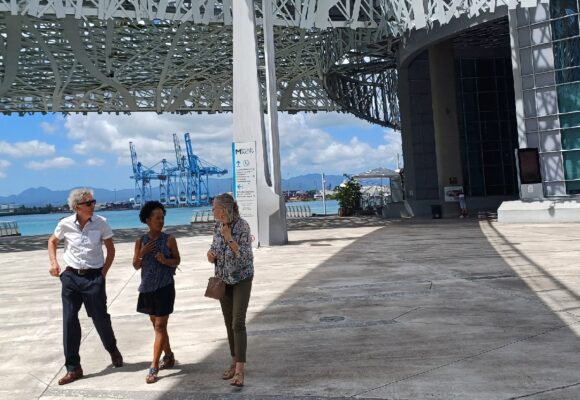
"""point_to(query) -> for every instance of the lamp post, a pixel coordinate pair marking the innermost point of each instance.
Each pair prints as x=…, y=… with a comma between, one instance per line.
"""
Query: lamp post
x=324, y=193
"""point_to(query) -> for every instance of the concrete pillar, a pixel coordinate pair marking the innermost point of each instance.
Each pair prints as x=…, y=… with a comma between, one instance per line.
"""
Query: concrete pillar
x=421, y=189
x=406, y=133
x=249, y=124
x=446, y=129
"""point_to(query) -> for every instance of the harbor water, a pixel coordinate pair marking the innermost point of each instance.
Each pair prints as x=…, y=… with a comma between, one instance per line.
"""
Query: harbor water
x=43, y=224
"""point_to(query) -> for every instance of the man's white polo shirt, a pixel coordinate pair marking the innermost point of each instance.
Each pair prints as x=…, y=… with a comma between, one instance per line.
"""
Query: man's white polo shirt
x=83, y=248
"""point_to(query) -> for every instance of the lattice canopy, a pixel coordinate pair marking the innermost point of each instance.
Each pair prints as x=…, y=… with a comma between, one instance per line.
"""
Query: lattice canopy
x=176, y=56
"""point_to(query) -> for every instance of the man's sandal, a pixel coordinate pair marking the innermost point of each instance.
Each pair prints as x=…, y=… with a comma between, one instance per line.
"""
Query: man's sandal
x=229, y=373
x=168, y=361
x=152, y=375
x=238, y=379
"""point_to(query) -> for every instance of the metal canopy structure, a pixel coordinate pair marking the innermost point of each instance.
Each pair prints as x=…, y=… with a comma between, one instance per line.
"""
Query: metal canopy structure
x=122, y=56
x=379, y=172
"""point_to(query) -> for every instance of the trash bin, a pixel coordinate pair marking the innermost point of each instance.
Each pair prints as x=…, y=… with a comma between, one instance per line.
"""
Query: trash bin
x=435, y=211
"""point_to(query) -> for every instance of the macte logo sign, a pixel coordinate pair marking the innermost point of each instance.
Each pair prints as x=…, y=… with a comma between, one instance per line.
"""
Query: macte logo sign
x=244, y=151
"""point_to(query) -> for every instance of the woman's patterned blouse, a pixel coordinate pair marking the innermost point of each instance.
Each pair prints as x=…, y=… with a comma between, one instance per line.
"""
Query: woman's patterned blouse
x=233, y=267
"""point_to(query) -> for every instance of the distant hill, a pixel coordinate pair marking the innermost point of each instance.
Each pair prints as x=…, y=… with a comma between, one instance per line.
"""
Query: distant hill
x=41, y=196
x=311, y=182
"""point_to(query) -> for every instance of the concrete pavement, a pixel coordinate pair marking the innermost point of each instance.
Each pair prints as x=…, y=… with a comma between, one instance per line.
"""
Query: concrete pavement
x=357, y=307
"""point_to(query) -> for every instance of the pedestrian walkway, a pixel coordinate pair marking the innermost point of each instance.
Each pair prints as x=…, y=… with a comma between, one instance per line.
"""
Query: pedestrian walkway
x=351, y=308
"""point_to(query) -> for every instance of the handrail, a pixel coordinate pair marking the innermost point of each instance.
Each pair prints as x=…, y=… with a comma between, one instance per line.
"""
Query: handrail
x=9, y=228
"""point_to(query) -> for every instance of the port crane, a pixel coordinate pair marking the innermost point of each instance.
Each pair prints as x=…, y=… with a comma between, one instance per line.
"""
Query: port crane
x=198, y=173
x=142, y=176
x=185, y=184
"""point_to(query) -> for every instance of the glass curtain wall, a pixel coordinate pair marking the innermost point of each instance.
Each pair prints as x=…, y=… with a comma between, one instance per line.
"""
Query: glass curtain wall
x=566, y=44
x=487, y=125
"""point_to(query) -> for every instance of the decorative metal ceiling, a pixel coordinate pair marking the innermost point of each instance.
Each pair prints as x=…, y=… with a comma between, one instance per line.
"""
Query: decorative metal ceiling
x=176, y=55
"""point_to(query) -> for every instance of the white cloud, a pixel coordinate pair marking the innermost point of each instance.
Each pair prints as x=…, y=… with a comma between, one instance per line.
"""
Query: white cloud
x=4, y=164
x=95, y=162
x=307, y=142
x=306, y=149
x=32, y=148
x=58, y=162
x=48, y=127
x=152, y=136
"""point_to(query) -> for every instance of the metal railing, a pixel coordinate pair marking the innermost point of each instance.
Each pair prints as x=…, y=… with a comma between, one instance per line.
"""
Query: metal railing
x=202, y=216
x=303, y=211
x=298, y=211
x=9, y=228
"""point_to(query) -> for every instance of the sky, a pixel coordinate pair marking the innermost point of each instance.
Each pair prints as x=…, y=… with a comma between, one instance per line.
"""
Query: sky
x=60, y=152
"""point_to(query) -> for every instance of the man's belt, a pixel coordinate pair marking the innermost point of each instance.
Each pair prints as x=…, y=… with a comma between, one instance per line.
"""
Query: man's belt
x=82, y=272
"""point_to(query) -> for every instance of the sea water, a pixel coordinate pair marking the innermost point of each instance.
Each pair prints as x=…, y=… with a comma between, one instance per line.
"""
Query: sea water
x=43, y=224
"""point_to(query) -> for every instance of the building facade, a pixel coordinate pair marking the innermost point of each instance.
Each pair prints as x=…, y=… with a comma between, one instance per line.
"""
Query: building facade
x=474, y=91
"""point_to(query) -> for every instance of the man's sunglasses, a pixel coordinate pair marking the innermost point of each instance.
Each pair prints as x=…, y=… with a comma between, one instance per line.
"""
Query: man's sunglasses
x=88, y=203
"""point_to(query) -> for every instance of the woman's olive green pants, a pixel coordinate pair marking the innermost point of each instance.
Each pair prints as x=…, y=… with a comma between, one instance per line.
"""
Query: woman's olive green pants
x=234, y=307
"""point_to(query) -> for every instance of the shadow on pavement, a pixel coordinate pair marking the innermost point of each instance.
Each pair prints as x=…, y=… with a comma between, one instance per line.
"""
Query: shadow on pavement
x=414, y=310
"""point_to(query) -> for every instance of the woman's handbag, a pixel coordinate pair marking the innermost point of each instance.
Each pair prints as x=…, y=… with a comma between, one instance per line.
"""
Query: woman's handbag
x=216, y=288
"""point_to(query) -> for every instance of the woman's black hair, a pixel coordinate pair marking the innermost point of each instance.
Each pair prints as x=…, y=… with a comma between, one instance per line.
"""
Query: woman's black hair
x=148, y=208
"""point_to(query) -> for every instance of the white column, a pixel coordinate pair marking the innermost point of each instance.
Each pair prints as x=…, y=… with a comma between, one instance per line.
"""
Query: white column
x=249, y=122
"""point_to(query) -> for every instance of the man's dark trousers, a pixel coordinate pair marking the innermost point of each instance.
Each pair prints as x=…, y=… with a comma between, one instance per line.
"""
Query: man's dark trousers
x=90, y=290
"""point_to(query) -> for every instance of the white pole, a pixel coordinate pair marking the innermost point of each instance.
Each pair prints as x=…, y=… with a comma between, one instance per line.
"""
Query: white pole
x=323, y=193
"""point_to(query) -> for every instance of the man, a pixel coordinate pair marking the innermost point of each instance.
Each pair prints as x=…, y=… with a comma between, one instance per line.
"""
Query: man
x=83, y=278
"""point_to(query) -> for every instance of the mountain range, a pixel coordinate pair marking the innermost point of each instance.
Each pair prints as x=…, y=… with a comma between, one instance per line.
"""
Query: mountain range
x=41, y=196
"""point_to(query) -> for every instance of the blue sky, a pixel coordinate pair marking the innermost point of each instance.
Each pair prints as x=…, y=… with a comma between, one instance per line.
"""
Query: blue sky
x=63, y=152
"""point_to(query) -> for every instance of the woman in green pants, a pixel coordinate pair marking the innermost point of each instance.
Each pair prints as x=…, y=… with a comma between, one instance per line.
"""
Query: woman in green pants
x=231, y=252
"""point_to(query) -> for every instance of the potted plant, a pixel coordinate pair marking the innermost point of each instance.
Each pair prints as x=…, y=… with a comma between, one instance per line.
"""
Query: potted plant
x=348, y=195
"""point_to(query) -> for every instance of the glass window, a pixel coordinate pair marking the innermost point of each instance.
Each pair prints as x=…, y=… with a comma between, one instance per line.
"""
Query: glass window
x=485, y=67
x=572, y=165
x=541, y=33
x=551, y=164
x=527, y=82
x=545, y=79
x=546, y=101
x=565, y=27
x=567, y=53
x=543, y=58
x=549, y=141
x=529, y=103
x=555, y=189
x=573, y=187
x=570, y=120
x=549, y=122
x=488, y=101
x=468, y=85
x=531, y=124
x=533, y=140
x=540, y=13
x=526, y=61
x=571, y=139
x=569, y=97
x=561, y=8
x=489, y=131
x=523, y=16
x=568, y=75
x=467, y=68
x=500, y=67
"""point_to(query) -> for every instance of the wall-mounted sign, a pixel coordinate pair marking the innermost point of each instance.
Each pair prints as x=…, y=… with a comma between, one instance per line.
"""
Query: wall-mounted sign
x=452, y=193
x=245, y=184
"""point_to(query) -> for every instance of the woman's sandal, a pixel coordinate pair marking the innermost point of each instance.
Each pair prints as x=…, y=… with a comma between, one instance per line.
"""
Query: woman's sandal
x=238, y=379
x=168, y=361
x=152, y=375
x=229, y=373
